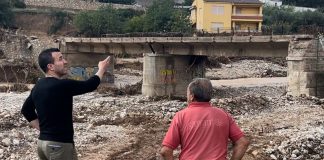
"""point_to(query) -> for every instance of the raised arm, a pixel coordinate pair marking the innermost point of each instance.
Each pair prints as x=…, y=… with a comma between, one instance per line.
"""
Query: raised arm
x=102, y=65
x=81, y=87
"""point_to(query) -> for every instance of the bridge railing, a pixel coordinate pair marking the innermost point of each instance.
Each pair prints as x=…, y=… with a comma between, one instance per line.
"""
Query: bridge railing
x=148, y=34
x=265, y=30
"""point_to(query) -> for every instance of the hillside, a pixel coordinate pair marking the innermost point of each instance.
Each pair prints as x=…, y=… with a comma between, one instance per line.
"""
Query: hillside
x=305, y=3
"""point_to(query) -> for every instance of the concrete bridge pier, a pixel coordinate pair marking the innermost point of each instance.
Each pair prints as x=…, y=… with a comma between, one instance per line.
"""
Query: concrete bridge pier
x=305, y=67
x=166, y=75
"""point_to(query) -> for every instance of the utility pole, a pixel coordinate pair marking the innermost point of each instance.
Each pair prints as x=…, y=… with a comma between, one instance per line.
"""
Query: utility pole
x=319, y=42
x=321, y=39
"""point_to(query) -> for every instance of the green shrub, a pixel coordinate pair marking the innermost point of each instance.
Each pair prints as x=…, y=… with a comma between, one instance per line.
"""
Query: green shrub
x=59, y=20
x=6, y=14
x=135, y=24
x=305, y=3
x=95, y=23
x=284, y=20
x=188, y=2
x=18, y=3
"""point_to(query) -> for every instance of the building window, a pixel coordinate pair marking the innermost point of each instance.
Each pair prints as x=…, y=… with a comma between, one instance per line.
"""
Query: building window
x=218, y=10
x=216, y=26
x=238, y=11
x=237, y=26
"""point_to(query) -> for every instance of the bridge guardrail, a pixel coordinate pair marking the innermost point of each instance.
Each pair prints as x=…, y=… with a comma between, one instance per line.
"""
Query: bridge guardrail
x=265, y=30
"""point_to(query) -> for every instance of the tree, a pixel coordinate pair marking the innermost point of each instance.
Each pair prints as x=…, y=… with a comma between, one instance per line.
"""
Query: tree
x=180, y=22
x=309, y=18
x=17, y=3
x=158, y=16
x=6, y=14
x=59, y=18
x=280, y=19
x=128, y=13
x=321, y=9
x=188, y=2
x=305, y=3
x=136, y=24
x=95, y=23
x=285, y=20
x=161, y=16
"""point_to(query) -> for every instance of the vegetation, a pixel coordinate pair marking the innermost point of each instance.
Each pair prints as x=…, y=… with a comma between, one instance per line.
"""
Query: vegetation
x=163, y=17
x=305, y=3
x=285, y=20
x=6, y=14
x=160, y=17
x=59, y=20
x=136, y=24
x=95, y=23
x=17, y=3
x=188, y=2
x=180, y=22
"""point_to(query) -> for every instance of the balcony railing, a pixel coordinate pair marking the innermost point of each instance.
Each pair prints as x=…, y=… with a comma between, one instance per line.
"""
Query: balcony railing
x=238, y=14
x=248, y=16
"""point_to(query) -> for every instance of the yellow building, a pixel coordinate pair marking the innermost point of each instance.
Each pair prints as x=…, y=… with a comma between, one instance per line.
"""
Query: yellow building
x=215, y=16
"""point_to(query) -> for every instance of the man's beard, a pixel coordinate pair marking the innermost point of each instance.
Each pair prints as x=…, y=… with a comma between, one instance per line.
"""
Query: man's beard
x=62, y=73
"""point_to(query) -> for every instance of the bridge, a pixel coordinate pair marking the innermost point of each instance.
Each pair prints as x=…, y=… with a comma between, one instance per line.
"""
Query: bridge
x=170, y=63
x=269, y=46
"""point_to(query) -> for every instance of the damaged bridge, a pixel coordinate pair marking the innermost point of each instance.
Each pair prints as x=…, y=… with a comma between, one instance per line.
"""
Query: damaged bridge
x=170, y=63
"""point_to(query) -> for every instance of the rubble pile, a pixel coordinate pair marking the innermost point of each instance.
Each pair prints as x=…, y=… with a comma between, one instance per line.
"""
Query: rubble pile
x=230, y=92
x=128, y=89
x=247, y=68
x=247, y=104
x=298, y=147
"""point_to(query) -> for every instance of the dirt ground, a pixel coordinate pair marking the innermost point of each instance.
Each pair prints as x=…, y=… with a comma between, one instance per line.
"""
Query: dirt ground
x=125, y=125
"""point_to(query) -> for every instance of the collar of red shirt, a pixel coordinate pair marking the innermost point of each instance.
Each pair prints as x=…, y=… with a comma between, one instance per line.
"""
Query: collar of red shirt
x=199, y=104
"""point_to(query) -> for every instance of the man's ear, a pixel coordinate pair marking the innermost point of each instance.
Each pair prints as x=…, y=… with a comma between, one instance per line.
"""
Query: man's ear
x=191, y=97
x=50, y=67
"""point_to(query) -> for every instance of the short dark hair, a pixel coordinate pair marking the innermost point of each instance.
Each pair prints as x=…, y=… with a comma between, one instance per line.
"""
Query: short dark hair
x=201, y=89
x=45, y=58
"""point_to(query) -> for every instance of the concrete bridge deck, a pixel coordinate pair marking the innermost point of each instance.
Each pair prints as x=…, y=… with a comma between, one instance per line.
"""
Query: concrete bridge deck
x=260, y=46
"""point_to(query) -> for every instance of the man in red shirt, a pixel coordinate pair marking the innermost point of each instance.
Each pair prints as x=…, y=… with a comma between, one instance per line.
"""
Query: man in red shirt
x=201, y=130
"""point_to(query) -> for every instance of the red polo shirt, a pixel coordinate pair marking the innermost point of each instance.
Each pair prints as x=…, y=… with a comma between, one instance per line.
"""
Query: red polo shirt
x=202, y=131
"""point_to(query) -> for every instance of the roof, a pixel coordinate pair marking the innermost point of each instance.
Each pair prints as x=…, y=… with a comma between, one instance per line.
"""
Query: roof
x=236, y=1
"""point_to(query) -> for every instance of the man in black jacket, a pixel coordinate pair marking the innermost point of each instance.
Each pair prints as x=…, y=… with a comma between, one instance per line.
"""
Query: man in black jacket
x=48, y=108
